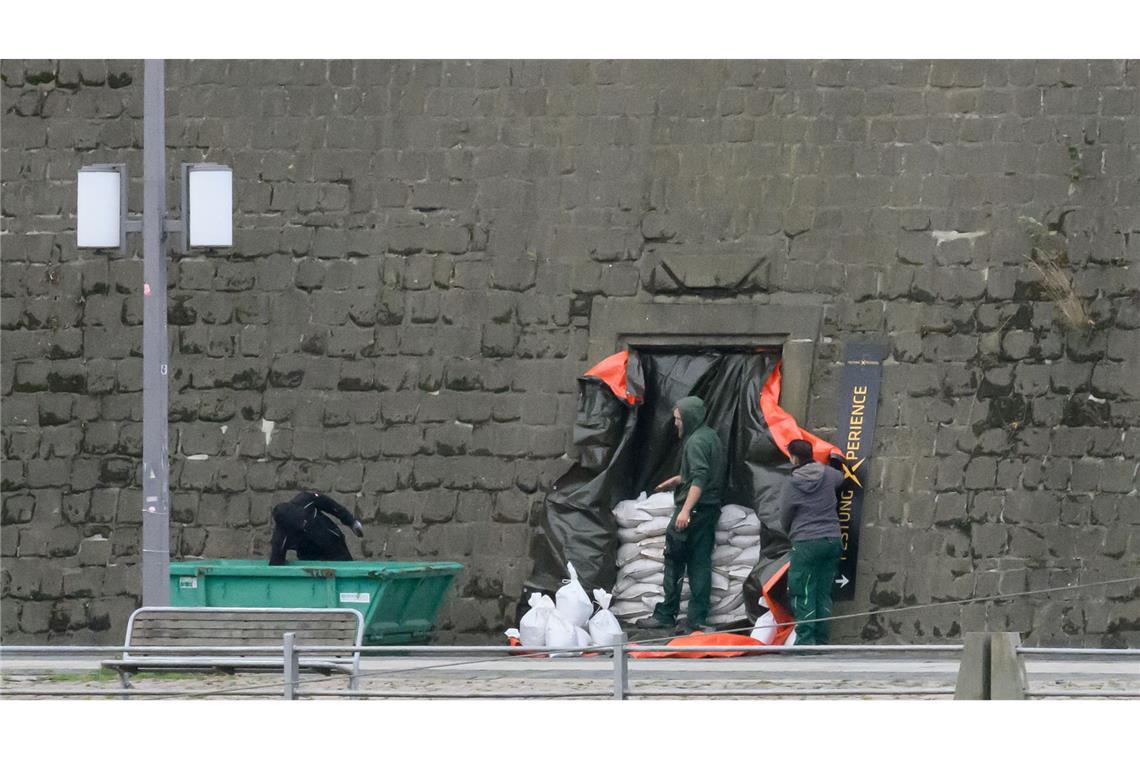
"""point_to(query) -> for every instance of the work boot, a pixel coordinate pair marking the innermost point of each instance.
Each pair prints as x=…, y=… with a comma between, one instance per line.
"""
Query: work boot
x=652, y=624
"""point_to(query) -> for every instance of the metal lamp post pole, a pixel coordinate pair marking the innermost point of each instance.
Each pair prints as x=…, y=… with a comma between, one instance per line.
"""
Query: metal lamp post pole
x=156, y=459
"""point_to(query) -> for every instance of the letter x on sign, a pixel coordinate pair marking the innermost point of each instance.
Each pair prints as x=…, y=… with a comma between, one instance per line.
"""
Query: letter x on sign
x=849, y=472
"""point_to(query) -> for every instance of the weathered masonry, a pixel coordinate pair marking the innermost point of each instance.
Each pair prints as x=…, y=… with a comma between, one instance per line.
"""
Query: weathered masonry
x=428, y=253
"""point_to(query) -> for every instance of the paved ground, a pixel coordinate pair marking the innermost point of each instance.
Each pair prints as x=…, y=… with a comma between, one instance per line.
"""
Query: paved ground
x=394, y=677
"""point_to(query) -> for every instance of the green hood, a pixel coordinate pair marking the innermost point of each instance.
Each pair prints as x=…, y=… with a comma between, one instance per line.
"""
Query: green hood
x=692, y=414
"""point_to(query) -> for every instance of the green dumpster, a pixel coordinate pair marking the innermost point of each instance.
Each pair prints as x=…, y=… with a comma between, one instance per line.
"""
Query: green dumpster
x=399, y=600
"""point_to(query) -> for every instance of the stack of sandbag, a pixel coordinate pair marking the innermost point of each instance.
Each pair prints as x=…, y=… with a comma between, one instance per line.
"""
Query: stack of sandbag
x=568, y=620
x=737, y=552
x=642, y=523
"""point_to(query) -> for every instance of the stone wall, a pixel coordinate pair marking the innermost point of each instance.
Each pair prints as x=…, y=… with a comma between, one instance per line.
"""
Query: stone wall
x=419, y=245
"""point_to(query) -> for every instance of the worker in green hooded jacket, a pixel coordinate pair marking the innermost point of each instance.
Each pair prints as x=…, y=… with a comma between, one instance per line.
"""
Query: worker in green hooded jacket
x=689, y=541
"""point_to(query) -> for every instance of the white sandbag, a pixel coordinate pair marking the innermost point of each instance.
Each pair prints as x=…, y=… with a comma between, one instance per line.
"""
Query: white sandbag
x=571, y=600
x=657, y=579
x=749, y=556
x=603, y=625
x=743, y=542
x=631, y=612
x=727, y=602
x=641, y=568
x=765, y=629
x=653, y=553
x=625, y=512
x=720, y=582
x=655, y=527
x=659, y=504
x=560, y=633
x=627, y=553
x=653, y=542
x=641, y=589
x=584, y=638
x=739, y=572
x=732, y=515
x=628, y=535
x=722, y=537
x=724, y=555
x=512, y=633
x=532, y=627
x=747, y=528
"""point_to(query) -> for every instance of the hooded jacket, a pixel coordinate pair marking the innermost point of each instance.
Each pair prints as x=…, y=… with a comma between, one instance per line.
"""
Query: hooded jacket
x=303, y=524
x=810, y=507
x=702, y=456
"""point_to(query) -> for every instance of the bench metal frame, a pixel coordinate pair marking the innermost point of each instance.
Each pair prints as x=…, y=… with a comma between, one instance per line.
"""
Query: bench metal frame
x=239, y=658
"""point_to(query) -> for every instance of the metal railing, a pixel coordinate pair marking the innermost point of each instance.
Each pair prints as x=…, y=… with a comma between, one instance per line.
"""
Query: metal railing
x=293, y=686
x=1005, y=676
x=1029, y=692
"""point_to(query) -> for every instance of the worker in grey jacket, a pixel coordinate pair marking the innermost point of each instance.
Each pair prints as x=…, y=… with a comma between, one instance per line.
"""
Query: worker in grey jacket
x=809, y=515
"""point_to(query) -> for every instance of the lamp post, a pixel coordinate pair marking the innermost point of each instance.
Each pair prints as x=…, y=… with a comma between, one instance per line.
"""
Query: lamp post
x=103, y=222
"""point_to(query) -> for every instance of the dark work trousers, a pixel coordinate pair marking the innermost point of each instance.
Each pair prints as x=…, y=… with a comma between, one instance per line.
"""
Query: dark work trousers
x=810, y=580
x=689, y=550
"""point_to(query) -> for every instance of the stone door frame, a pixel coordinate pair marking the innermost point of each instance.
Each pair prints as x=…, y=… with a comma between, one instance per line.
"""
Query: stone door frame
x=618, y=323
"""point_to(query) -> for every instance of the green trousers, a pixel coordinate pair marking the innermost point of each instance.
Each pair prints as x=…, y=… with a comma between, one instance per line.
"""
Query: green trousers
x=810, y=580
x=689, y=550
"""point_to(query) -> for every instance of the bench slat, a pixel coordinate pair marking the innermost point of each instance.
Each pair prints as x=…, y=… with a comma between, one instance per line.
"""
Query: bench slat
x=284, y=627
x=220, y=626
x=221, y=615
x=194, y=640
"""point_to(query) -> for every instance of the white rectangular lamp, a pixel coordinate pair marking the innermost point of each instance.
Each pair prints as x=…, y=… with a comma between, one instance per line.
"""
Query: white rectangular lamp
x=208, y=213
x=101, y=207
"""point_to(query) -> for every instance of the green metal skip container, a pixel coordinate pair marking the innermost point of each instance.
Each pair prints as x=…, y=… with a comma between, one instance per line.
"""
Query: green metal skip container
x=399, y=600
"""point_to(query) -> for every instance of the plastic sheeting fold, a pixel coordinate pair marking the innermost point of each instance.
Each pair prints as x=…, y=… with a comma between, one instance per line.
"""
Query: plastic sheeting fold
x=627, y=444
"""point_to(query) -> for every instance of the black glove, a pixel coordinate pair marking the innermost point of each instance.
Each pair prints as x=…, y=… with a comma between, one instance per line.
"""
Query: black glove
x=358, y=529
x=835, y=461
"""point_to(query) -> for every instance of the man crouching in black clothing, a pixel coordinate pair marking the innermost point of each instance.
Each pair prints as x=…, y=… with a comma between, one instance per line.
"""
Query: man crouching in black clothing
x=303, y=524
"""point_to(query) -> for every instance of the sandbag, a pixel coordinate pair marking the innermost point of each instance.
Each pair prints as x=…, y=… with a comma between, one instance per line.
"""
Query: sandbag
x=724, y=555
x=655, y=553
x=732, y=515
x=744, y=541
x=747, y=528
x=603, y=626
x=532, y=627
x=765, y=629
x=571, y=600
x=641, y=568
x=560, y=633
x=749, y=556
x=655, y=527
x=627, y=553
x=641, y=589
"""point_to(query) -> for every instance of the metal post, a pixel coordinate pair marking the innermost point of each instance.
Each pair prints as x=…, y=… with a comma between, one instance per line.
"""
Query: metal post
x=291, y=667
x=155, y=474
x=621, y=668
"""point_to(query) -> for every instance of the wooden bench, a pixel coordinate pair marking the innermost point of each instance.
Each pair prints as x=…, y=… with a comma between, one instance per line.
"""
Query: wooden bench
x=201, y=627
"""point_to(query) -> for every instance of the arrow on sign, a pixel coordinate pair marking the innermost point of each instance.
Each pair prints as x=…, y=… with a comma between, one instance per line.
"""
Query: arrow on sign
x=842, y=581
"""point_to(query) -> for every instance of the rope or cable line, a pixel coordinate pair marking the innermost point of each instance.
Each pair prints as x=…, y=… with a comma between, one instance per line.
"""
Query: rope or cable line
x=606, y=648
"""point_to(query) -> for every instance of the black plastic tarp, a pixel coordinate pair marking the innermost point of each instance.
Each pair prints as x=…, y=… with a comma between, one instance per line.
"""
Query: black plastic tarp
x=626, y=447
